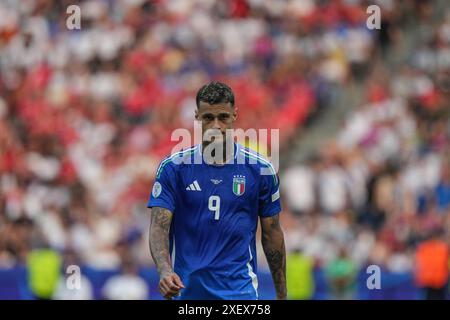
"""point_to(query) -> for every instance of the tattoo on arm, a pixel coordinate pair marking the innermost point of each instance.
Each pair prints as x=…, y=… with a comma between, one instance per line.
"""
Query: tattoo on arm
x=159, y=239
x=274, y=249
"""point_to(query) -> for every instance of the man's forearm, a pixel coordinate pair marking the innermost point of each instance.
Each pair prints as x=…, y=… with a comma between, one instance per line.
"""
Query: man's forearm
x=274, y=249
x=159, y=239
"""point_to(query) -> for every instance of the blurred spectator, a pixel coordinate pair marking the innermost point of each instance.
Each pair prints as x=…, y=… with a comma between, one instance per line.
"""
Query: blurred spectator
x=333, y=193
x=298, y=178
x=299, y=276
x=44, y=272
x=126, y=286
x=82, y=292
x=442, y=191
x=432, y=267
x=341, y=274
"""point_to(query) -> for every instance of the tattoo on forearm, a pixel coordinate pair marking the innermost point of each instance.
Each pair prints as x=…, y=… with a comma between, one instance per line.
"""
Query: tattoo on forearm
x=276, y=259
x=273, y=245
x=159, y=239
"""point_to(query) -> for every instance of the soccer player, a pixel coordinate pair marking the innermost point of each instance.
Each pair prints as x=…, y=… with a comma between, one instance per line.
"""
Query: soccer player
x=204, y=214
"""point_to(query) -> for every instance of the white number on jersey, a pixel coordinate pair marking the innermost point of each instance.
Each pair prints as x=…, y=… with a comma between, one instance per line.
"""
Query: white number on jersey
x=214, y=205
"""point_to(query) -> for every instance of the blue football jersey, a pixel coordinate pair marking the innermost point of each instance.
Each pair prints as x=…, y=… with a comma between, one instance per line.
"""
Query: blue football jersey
x=215, y=217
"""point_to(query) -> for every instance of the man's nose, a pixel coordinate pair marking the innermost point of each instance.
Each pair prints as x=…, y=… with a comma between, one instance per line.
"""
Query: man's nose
x=216, y=124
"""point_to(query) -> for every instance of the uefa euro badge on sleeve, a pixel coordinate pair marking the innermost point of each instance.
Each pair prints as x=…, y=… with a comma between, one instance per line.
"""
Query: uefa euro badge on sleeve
x=156, y=189
x=238, y=185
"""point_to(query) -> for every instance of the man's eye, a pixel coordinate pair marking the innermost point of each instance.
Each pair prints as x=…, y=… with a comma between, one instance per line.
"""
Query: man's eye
x=224, y=117
x=208, y=117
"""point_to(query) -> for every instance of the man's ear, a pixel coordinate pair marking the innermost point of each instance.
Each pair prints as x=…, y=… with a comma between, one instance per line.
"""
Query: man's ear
x=235, y=113
x=196, y=114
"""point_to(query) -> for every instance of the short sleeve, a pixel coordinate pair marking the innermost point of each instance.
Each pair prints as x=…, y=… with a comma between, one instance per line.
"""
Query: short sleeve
x=269, y=196
x=163, y=191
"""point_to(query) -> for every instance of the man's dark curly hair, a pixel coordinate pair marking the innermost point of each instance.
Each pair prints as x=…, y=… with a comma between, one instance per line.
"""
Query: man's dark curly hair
x=215, y=92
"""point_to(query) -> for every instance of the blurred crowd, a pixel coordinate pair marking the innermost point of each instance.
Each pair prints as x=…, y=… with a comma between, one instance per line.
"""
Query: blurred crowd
x=379, y=192
x=86, y=115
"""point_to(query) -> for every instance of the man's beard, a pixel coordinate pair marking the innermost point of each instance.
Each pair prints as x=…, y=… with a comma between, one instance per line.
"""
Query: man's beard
x=218, y=150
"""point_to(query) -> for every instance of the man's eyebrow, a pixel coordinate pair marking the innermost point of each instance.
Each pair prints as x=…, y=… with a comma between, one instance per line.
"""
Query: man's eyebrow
x=219, y=114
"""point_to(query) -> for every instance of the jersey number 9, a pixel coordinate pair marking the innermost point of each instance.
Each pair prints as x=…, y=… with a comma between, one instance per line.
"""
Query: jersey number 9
x=214, y=205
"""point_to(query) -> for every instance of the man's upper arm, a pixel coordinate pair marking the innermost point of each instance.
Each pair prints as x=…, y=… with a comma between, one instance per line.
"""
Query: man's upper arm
x=161, y=217
x=270, y=223
x=164, y=189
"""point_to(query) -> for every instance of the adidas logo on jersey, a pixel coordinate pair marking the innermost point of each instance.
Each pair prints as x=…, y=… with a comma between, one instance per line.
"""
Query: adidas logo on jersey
x=194, y=186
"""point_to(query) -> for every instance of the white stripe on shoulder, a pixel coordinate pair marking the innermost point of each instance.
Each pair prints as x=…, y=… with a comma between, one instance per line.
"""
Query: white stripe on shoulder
x=171, y=157
x=259, y=157
x=263, y=161
x=182, y=152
